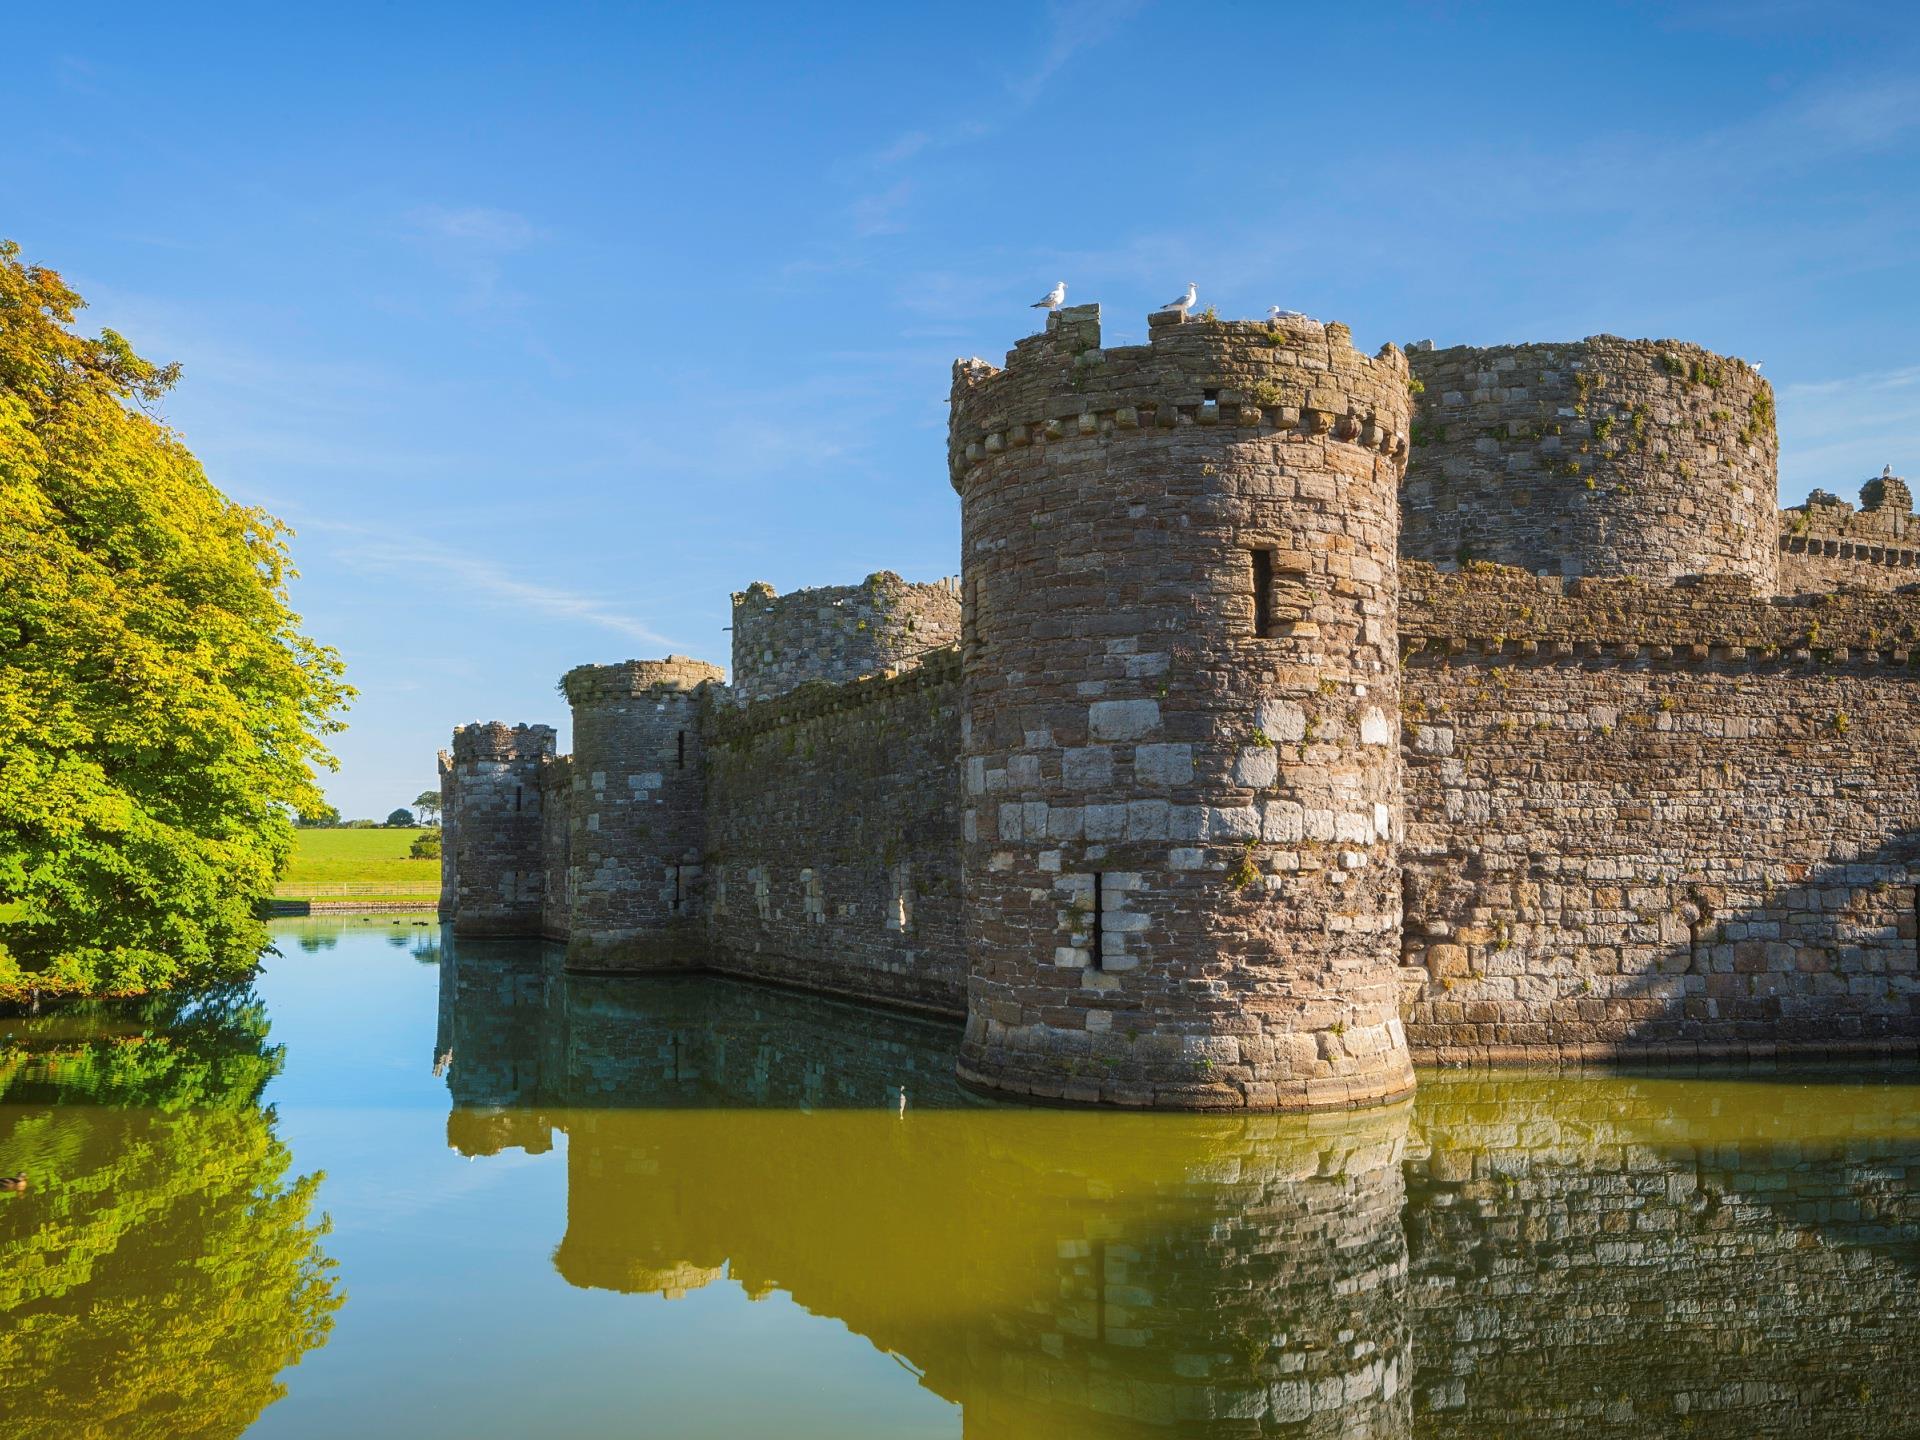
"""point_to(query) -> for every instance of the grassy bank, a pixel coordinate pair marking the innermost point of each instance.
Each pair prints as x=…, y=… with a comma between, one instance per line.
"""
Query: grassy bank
x=358, y=865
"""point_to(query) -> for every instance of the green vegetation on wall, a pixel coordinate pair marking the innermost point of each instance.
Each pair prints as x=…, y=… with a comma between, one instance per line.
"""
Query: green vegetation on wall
x=161, y=715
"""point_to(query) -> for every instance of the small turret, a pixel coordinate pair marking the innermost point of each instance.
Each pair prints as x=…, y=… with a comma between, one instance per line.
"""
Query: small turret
x=493, y=865
x=637, y=821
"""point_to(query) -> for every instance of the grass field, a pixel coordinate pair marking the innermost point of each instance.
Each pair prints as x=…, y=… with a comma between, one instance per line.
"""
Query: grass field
x=357, y=864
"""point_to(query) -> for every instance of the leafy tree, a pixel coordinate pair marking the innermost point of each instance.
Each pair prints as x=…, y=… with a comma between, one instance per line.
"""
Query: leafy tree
x=426, y=845
x=400, y=819
x=161, y=715
x=427, y=802
x=324, y=818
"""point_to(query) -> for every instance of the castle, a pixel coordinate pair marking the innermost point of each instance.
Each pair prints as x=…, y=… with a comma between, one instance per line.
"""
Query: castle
x=1298, y=715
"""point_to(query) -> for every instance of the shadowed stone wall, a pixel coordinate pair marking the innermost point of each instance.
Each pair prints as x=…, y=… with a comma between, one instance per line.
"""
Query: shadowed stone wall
x=1600, y=456
x=834, y=838
x=1180, y=678
x=837, y=632
x=637, y=816
x=1619, y=844
x=493, y=868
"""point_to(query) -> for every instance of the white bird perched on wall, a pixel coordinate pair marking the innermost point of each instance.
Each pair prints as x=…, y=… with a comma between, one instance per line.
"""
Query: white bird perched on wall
x=1185, y=302
x=1053, y=299
x=1275, y=314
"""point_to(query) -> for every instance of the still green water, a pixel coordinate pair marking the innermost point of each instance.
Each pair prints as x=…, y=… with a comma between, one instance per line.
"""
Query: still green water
x=400, y=1188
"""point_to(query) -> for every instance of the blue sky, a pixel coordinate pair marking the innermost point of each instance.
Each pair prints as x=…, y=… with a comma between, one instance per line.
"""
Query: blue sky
x=548, y=326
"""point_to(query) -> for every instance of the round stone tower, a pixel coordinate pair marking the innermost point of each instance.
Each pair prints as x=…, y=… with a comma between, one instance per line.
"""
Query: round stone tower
x=1601, y=456
x=637, y=823
x=493, y=857
x=1181, y=715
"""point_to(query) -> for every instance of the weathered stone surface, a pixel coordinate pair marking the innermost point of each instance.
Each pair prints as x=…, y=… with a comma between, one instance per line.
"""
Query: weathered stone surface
x=1117, y=541
x=493, y=868
x=1600, y=456
x=834, y=633
x=1668, y=814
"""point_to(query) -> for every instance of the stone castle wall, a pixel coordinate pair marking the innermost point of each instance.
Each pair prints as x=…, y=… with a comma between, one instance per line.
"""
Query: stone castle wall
x=834, y=838
x=835, y=633
x=1825, y=544
x=1658, y=820
x=1252, y=776
x=1596, y=457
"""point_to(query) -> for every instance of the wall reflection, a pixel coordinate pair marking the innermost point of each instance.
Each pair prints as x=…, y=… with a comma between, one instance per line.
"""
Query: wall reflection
x=1513, y=1255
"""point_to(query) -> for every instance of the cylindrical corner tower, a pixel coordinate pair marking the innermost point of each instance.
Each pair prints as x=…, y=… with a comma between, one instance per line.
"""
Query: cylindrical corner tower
x=637, y=826
x=1181, y=715
x=493, y=852
x=1600, y=457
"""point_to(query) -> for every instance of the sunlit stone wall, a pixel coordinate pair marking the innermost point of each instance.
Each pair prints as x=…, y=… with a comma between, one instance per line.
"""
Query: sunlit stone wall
x=1657, y=820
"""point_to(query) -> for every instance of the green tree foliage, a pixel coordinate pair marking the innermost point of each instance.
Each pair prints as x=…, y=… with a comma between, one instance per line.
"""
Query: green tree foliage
x=164, y=1266
x=426, y=846
x=427, y=802
x=400, y=819
x=161, y=715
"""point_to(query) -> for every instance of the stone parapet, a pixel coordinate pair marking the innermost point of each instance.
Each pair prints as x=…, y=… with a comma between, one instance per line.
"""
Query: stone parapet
x=1491, y=609
x=1291, y=376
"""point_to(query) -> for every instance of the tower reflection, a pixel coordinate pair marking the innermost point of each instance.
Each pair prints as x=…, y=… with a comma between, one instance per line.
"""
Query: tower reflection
x=1514, y=1254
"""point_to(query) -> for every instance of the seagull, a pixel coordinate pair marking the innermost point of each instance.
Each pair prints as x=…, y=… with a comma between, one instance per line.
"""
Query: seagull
x=1185, y=302
x=1275, y=315
x=1053, y=299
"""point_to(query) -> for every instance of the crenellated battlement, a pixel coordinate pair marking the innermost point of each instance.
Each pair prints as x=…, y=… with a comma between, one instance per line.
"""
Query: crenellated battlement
x=1293, y=375
x=1495, y=610
x=496, y=740
x=1825, y=544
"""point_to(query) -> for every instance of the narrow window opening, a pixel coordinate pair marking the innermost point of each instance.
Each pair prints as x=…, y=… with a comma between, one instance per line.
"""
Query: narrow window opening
x=676, y=889
x=516, y=799
x=1094, y=936
x=1210, y=394
x=681, y=742
x=1263, y=593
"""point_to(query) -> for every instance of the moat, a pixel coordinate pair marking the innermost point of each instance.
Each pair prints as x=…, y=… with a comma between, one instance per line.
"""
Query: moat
x=559, y=1204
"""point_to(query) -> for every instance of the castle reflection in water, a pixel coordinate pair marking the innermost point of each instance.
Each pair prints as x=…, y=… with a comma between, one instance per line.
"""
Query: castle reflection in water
x=1515, y=1254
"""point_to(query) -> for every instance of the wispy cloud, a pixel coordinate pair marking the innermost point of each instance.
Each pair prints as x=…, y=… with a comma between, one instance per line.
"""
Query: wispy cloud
x=472, y=243
x=879, y=213
x=483, y=577
x=1839, y=433
x=1074, y=26
x=501, y=231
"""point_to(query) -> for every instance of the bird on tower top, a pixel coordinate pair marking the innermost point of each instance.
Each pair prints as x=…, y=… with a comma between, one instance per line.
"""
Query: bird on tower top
x=1185, y=302
x=1053, y=299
